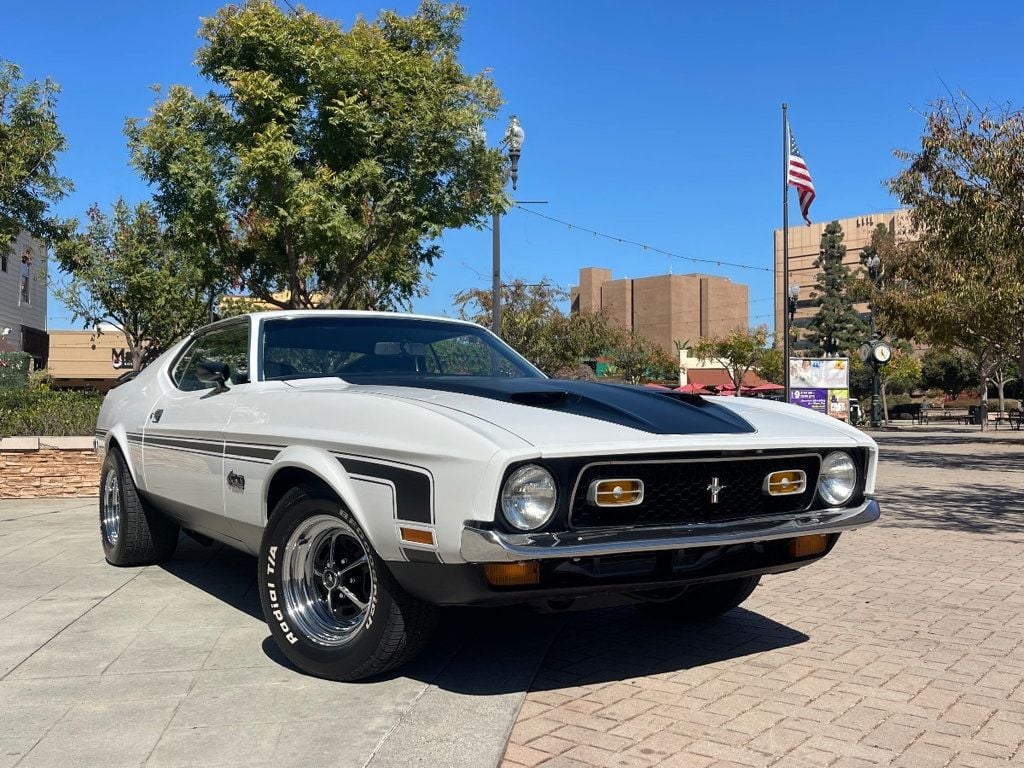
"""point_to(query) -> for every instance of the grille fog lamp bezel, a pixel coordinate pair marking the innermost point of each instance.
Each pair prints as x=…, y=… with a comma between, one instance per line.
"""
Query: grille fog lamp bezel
x=837, y=480
x=529, y=498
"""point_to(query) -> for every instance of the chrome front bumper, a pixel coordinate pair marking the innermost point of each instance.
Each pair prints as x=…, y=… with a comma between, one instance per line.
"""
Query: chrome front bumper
x=481, y=545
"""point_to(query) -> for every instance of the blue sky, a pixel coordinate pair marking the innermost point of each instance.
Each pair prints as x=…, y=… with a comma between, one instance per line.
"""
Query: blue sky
x=655, y=121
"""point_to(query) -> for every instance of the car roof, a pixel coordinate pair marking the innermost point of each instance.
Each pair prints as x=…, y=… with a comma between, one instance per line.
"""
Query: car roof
x=293, y=313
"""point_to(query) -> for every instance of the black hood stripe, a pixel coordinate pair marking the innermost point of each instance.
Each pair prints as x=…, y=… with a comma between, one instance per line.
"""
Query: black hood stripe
x=660, y=412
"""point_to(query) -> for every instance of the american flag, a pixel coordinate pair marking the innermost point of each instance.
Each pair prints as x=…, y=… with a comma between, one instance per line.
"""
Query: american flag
x=798, y=175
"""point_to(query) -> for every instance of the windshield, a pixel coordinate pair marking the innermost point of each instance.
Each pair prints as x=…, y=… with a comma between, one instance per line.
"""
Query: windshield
x=360, y=348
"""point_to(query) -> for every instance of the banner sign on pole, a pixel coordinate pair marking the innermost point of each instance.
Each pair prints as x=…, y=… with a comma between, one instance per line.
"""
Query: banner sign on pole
x=821, y=384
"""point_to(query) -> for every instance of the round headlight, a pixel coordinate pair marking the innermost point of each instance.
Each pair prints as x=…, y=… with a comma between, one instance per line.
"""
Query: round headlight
x=528, y=497
x=838, y=478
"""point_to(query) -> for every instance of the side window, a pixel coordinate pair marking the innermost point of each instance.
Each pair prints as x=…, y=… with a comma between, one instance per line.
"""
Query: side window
x=224, y=345
x=26, y=294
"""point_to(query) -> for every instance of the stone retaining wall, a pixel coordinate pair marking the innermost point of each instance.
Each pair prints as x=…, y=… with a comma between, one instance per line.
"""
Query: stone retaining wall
x=50, y=467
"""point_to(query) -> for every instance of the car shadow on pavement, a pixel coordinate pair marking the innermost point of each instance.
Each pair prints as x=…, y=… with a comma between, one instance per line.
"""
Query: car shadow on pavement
x=624, y=643
x=219, y=571
x=494, y=651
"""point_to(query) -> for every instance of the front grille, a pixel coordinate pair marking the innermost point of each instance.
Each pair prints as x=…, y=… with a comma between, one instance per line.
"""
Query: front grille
x=676, y=492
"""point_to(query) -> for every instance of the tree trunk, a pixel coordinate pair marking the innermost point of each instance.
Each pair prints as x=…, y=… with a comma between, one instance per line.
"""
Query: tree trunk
x=293, y=273
x=137, y=353
x=1001, y=383
x=885, y=403
x=983, y=401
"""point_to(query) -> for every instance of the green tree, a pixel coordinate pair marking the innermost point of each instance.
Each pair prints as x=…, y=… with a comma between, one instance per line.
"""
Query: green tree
x=637, y=359
x=125, y=272
x=325, y=163
x=534, y=325
x=959, y=282
x=836, y=327
x=901, y=374
x=860, y=379
x=30, y=141
x=1004, y=372
x=770, y=365
x=739, y=352
x=949, y=370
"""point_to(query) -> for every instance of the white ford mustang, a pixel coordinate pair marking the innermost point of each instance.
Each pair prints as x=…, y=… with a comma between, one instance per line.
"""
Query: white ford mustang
x=380, y=465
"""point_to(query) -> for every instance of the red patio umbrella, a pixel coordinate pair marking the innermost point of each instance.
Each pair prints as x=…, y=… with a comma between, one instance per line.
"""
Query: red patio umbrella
x=691, y=389
x=769, y=387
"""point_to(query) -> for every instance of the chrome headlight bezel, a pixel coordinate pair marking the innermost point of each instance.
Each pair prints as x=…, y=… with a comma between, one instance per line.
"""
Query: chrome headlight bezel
x=837, y=478
x=529, y=498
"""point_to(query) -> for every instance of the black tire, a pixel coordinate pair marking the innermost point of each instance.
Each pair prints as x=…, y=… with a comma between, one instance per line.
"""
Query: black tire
x=132, y=532
x=332, y=637
x=701, y=602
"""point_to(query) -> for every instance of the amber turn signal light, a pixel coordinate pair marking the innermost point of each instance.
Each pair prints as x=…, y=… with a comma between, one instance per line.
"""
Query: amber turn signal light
x=805, y=546
x=616, y=493
x=785, y=483
x=416, y=536
x=512, y=574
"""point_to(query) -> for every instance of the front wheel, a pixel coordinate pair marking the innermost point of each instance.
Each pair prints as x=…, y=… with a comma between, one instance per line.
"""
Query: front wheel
x=332, y=605
x=703, y=601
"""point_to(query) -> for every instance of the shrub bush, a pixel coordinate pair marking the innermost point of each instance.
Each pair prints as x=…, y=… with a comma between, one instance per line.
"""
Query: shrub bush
x=14, y=370
x=35, y=412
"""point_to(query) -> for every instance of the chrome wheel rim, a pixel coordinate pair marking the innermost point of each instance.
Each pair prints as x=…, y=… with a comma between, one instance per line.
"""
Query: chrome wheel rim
x=110, y=510
x=326, y=580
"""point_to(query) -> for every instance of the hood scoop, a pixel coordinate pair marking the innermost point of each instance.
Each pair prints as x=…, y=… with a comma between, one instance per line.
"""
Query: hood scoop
x=655, y=411
x=540, y=398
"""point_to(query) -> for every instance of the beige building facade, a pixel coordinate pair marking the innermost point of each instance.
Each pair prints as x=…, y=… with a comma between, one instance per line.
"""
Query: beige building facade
x=664, y=308
x=88, y=360
x=804, y=246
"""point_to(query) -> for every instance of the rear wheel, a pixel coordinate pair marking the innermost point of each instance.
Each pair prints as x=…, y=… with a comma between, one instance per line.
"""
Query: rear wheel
x=132, y=532
x=703, y=601
x=331, y=603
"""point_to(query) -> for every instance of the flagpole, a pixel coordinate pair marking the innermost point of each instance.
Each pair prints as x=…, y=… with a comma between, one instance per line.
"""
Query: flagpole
x=784, y=292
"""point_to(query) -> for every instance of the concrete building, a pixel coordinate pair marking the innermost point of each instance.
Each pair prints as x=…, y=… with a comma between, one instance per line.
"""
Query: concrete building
x=23, y=298
x=664, y=308
x=805, y=245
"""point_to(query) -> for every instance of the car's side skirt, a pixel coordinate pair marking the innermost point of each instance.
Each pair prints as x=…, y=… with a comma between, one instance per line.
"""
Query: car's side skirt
x=217, y=527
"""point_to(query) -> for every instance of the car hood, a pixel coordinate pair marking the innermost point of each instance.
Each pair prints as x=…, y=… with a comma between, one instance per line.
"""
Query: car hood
x=556, y=413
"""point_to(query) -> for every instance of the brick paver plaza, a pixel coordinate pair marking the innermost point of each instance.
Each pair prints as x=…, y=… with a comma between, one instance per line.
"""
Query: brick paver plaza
x=905, y=646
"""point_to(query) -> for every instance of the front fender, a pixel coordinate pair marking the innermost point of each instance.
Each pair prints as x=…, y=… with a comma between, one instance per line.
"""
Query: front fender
x=372, y=505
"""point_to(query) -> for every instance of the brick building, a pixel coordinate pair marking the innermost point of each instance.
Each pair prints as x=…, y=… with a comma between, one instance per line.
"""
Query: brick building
x=805, y=245
x=664, y=308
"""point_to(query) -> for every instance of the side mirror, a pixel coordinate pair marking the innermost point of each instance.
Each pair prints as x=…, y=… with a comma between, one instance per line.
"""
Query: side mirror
x=212, y=372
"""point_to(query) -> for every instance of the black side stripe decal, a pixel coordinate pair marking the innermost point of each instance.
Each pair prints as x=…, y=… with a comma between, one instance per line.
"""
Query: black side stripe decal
x=249, y=451
x=413, y=493
x=229, y=450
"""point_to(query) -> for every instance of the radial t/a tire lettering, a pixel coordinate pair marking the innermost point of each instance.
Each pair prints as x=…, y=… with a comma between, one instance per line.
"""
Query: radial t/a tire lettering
x=132, y=532
x=330, y=602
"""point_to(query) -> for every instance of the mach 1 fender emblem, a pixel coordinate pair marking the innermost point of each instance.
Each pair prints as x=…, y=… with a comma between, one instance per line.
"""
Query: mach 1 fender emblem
x=236, y=482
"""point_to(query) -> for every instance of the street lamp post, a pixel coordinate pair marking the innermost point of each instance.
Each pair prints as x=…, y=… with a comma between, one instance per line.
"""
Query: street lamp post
x=792, y=297
x=873, y=264
x=513, y=143
x=877, y=352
